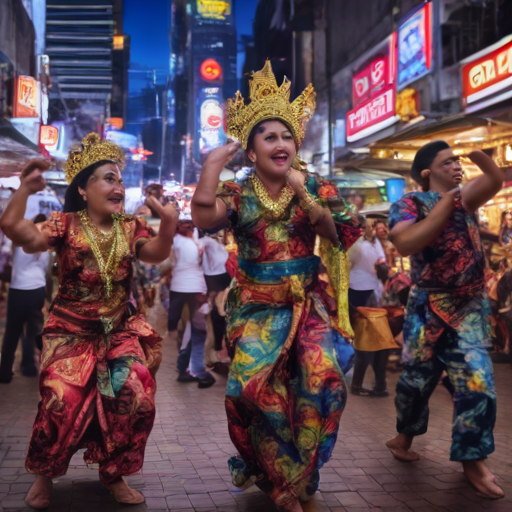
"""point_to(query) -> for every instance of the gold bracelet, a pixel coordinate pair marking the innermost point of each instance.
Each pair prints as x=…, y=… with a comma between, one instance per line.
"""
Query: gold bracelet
x=307, y=203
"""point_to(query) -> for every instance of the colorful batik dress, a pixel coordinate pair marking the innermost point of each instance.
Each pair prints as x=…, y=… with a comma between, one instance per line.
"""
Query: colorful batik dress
x=447, y=328
x=98, y=361
x=285, y=391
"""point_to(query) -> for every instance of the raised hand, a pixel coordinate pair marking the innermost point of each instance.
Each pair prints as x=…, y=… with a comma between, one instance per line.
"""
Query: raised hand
x=31, y=176
x=220, y=157
x=169, y=212
x=296, y=180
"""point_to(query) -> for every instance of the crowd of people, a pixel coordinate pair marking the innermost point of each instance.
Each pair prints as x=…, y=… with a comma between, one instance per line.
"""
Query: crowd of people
x=312, y=277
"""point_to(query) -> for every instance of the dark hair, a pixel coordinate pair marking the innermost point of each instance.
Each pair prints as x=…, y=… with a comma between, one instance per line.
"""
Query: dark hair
x=40, y=217
x=424, y=158
x=257, y=129
x=73, y=201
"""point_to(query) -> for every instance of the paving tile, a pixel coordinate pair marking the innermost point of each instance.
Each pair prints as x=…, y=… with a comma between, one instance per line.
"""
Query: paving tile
x=186, y=458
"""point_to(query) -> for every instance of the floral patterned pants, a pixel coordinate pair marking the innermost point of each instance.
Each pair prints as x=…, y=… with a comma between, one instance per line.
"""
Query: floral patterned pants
x=471, y=375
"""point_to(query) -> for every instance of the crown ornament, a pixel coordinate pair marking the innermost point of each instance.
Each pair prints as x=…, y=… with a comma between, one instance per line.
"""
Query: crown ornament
x=268, y=101
x=93, y=150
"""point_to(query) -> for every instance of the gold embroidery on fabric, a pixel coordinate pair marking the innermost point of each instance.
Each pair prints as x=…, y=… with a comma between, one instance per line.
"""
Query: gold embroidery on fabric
x=337, y=264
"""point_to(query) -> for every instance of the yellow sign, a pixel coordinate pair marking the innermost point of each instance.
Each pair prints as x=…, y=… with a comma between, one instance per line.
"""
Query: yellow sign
x=407, y=105
x=216, y=9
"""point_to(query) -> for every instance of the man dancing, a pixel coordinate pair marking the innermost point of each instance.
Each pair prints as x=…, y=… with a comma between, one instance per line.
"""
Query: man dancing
x=446, y=325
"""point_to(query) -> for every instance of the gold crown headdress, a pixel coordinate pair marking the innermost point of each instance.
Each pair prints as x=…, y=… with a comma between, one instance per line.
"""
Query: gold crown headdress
x=268, y=101
x=93, y=150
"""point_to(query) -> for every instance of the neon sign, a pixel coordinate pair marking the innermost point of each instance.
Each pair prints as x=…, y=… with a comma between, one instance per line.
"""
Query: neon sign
x=488, y=74
x=415, y=46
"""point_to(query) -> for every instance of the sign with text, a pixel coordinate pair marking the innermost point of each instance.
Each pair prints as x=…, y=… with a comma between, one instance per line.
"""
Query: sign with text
x=488, y=74
x=27, y=100
x=371, y=80
x=214, y=9
x=371, y=116
x=49, y=136
x=415, y=46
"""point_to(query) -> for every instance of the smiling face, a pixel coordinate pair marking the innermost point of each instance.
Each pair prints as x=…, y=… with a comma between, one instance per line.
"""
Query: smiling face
x=273, y=148
x=104, y=191
x=445, y=171
x=381, y=230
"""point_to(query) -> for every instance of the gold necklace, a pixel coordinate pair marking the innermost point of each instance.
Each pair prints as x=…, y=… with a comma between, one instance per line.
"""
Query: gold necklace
x=275, y=208
x=108, y=248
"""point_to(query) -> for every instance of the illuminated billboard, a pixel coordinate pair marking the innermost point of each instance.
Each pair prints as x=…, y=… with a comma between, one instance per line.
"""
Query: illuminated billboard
x=210, y=120
x=415, y=46
x=214, y=9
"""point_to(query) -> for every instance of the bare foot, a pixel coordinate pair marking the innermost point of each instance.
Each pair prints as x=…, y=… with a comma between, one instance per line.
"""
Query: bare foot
x=123, y=493
x=40, y=493
x=293, y=506
x=482, y=479
x=400, y=447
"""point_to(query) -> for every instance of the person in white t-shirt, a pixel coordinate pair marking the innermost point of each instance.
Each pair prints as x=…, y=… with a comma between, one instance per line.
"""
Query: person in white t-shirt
x=365, y=285
x=25, y=303
x=217, y=278
x=188, y=286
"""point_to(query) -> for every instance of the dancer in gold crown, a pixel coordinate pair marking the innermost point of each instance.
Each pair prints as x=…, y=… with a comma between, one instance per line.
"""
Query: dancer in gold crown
x=99, y=355
x=285, y=391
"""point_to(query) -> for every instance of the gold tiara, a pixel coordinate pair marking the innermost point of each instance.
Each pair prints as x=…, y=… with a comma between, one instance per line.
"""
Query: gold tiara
x=93, y=150
x=268, y=101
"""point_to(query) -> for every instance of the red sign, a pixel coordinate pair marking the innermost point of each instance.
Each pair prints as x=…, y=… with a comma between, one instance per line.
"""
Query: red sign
x=488, y=74
x=370, y=116
x=48, y=135
x=26, y=103
x=369, y=82
x=210, y=69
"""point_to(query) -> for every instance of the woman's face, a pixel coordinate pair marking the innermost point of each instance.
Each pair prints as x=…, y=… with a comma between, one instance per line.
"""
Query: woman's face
x=273, y=148
x=508, y=220
x=381, y=231
x=104, y=191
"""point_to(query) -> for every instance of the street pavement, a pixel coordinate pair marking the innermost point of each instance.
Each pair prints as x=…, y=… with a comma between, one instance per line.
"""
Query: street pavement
x=186, y=470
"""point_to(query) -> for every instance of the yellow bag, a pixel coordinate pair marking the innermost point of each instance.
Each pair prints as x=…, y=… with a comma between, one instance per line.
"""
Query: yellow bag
x=372, y=331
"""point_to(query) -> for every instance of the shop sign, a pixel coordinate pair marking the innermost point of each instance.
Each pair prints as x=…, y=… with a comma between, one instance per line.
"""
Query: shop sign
x=488, y=74
x=27, y=100
x=415, y=46
x=369, y=82
x=407, y=105
x=371, y=116
x=49, y=136
x=115, y=123
x=210, y=70
x=214, y=9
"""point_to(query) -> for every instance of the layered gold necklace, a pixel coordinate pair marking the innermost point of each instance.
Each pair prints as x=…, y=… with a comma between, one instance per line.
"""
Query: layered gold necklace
x=108, y=248
x=276, y=209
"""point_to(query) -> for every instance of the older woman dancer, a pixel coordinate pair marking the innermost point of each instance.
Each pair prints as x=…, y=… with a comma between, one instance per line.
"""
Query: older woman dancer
x=99, y=355
x=285, y=390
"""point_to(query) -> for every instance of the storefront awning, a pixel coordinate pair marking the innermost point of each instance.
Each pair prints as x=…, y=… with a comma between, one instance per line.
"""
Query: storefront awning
x=15, y=149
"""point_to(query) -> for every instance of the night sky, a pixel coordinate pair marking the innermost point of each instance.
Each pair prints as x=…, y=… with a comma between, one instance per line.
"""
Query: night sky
x=147, y=22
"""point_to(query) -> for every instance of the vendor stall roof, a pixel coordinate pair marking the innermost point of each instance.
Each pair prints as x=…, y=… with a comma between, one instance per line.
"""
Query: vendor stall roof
x=457, y=129
x=362, y=178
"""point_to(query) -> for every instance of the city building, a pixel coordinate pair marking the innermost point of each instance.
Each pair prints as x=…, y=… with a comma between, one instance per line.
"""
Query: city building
x=202, y=77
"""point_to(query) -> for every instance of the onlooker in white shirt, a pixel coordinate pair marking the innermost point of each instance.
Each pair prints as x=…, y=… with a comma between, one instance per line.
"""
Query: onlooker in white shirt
x=25, y=303
x=215, y=257
x=188, y=286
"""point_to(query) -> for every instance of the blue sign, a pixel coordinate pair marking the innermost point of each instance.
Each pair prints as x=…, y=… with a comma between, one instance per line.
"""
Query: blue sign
x=414, y=47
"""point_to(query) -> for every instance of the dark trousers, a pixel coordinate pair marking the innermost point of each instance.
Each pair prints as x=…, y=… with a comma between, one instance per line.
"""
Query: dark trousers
x=379, y=362
x=193, y=353
x=24, y=319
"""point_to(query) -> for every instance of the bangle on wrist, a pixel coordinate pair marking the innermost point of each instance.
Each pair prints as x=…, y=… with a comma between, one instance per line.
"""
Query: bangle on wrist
x=307, y=203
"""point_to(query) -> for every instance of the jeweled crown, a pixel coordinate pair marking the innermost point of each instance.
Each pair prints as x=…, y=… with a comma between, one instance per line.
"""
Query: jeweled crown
x=93, y=150
x=268, y=101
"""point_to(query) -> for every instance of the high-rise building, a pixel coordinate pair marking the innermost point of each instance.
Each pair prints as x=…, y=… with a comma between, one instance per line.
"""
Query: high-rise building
x=79, y=42
x=202, y=77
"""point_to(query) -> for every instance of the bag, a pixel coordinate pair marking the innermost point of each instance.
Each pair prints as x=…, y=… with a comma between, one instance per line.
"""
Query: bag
x=372, y=331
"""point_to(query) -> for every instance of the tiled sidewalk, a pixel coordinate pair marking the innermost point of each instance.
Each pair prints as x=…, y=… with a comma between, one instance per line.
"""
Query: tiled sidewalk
x=186, y=470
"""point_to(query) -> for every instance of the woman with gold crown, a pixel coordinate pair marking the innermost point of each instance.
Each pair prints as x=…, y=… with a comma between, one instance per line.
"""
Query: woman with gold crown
x=99, y=355
x=285, y=391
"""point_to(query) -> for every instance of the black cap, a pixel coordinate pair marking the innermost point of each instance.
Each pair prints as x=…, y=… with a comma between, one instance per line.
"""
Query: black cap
x=425, y=156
